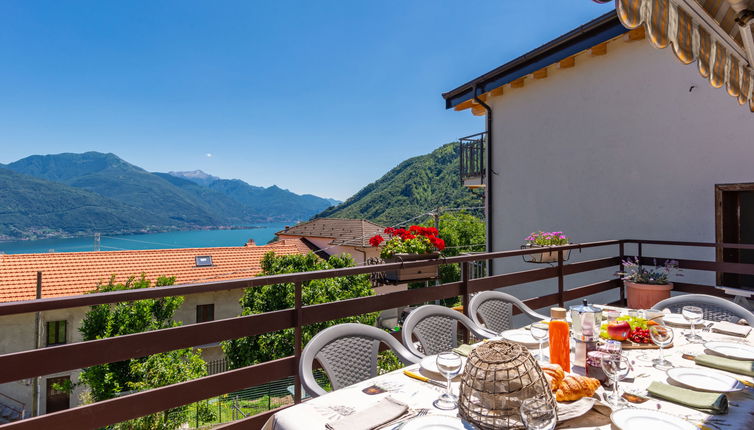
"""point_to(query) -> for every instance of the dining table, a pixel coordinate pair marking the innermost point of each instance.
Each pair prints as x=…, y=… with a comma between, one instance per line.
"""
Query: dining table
x=317, y=412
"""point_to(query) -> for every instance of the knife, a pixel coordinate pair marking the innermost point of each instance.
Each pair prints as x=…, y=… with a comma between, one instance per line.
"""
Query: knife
x=422, y=378
x=747, y=383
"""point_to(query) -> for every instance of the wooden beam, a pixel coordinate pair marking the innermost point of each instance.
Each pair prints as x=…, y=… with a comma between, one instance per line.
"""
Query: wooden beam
x=478, y=110
x=540, y=74
x=518, y=83
x=637, y=33
x=567, y=63
x=465, y=105
x=497, y=91
x=600, y=49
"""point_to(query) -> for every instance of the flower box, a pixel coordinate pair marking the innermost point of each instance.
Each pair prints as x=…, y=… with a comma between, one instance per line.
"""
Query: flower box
x=548, y=255
x=413, y=274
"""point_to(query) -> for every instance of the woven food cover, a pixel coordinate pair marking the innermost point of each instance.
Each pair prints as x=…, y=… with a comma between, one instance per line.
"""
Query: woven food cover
x=498, y=376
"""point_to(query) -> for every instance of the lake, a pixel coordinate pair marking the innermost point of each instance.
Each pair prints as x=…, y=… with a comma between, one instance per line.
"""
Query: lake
x=175, y=239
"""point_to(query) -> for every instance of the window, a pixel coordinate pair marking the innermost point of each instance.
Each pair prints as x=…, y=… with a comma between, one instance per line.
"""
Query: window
x=204, y=261
x=58, y=400
x=56, y=332
x=205, y=313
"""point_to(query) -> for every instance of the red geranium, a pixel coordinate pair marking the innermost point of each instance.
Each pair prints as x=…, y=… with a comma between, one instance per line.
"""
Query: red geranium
x=376, y=240
x=415, y=239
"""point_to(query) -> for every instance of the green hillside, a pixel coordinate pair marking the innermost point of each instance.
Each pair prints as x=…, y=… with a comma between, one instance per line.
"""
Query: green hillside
x=32, y=207
x=415, y=186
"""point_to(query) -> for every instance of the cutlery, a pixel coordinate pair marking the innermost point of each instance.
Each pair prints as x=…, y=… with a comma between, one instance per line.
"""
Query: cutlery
x=634, y=398
x=423, y=378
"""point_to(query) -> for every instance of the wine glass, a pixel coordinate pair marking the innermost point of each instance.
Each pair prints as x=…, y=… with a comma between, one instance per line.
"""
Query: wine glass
x=662, y=336
x=539, y=331
x=693, y=314
x=616, y=368
x=539, y=414
x=449, y=364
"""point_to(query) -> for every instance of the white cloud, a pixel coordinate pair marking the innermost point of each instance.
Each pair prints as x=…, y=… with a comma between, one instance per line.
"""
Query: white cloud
x=209, y=155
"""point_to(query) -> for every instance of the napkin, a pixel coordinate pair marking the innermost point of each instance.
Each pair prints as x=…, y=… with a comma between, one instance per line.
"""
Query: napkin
x=382, y=412
x=729, y=328
x=463, y=350
x=712, y=403
x=742, y=367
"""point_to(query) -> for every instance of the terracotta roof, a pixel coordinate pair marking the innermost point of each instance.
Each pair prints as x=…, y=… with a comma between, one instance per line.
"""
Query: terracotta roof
x=351, y=232
x=73, y=273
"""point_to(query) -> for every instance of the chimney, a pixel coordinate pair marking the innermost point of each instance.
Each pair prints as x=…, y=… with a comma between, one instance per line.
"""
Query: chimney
x=251, y=242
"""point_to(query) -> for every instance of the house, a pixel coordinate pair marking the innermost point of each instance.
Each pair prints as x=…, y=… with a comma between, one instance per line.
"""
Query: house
x=76, y=273
x=334, y=236
x=601, y=135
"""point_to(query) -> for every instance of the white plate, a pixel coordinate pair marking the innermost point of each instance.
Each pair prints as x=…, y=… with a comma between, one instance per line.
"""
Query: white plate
x=429, y=363
x=522, y=337
x=705, y=379
x=438, y=422
x=678, y=320
x=643, y=419
x=740, y=351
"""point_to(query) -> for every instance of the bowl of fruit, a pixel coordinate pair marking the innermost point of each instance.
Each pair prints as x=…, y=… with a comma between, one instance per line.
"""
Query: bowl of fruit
x=628, y=329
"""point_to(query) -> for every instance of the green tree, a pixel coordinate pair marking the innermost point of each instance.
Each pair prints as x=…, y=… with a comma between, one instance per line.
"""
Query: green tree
x=106, y=381
x=462, y=233
x=270, y=346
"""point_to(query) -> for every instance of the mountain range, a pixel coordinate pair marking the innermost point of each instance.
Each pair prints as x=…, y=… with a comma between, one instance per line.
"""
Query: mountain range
x=76, y=194
x=415, y=186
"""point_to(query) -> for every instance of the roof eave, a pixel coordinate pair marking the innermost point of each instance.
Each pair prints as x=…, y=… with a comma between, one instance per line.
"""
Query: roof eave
x=584, y=37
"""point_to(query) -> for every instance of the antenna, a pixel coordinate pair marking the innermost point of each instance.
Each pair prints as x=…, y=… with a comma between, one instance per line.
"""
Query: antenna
x=97, y=241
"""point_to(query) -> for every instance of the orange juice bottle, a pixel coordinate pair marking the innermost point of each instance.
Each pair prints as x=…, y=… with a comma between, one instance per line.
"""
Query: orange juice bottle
x=560, y=339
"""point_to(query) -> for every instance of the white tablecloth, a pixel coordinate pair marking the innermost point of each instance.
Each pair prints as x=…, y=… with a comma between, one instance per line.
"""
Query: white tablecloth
x=315, y=413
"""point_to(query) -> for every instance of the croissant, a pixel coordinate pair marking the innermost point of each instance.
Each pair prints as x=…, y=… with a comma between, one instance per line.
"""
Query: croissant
x=574, y=387
x=553, y=373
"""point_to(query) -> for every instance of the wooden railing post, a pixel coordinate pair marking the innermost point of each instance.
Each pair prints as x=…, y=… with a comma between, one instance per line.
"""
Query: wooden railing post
x=465, y=275
x=621, y=268
x=561, y=289
x=297, y=342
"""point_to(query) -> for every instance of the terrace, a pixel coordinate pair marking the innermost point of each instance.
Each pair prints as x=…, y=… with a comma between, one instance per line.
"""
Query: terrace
x=595, y=259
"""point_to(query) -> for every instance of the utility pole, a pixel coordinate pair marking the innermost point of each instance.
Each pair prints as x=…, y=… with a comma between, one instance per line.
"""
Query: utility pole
x=97, y=240
x=37, y=343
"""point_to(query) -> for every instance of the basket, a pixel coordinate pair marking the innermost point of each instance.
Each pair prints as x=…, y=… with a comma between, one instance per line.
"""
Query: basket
x=498, y=376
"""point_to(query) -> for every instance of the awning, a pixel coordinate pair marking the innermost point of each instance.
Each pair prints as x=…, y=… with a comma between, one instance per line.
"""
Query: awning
x=713, y=33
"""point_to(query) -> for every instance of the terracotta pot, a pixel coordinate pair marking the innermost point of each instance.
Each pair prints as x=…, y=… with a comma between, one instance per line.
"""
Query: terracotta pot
x=414, y=274
x=644, y=296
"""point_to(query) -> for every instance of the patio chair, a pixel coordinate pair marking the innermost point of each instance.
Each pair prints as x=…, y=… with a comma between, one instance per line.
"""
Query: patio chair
x=715, y=308
x=348, y=354
x=436, y=329
x=493, y=310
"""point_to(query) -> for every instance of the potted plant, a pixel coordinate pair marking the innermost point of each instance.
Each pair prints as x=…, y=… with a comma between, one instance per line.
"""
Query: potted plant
x=412, y=244
x=647, y=285
x=546, y=239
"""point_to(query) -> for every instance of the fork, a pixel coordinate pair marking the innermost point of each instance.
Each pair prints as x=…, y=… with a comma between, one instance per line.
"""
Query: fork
x=420, y=413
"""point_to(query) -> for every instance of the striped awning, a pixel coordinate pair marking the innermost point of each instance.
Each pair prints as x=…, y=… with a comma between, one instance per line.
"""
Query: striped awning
x=709, y=32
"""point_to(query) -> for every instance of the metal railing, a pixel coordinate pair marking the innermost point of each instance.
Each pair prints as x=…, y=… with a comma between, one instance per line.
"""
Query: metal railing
x=471, y=155
x=27, y=364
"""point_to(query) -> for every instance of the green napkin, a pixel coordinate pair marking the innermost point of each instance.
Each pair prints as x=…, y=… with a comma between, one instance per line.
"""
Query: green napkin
x=742, y=367
x=463, y=350
x=712, y=403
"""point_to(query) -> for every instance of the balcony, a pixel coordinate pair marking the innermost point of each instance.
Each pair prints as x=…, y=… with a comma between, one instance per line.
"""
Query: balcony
x=563, y=283
x=472, y=165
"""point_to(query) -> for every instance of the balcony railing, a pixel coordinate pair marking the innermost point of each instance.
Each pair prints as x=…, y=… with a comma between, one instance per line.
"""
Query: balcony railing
x=472, y=163
x=33, y=363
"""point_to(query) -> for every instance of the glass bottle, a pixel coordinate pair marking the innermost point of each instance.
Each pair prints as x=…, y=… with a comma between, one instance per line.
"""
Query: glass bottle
x=560, y=345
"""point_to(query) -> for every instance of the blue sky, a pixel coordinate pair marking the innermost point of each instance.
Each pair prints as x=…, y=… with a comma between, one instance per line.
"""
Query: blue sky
x=318, y=97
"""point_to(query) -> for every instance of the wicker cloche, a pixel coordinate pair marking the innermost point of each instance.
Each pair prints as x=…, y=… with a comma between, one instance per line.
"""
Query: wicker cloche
x=498, y=376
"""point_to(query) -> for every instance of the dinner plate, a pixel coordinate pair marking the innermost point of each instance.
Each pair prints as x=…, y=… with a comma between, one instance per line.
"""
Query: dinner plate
x=678, y=320
x=429, y=363
x=739, y=351
x=438, y=422
x=522, y=337
x=705, y=379
x=643, y=419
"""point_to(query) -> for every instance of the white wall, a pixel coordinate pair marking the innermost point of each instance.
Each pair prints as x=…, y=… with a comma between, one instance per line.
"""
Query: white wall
x=616, y=147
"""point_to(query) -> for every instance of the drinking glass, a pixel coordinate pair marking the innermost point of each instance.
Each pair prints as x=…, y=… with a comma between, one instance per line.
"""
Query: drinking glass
x=662, y=336
x=539, y=331
x=539, y=414
x=616, y=368
x=693, y=315
x=449, y=364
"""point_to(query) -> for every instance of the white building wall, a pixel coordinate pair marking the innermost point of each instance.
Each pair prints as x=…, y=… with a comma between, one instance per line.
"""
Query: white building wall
x=619, y=146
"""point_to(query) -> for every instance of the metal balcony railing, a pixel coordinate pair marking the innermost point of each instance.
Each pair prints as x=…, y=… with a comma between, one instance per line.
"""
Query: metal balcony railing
x=33, y=363
x=472, y=157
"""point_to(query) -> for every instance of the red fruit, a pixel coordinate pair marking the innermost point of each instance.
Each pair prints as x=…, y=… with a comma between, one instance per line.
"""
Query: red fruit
x=618, y=330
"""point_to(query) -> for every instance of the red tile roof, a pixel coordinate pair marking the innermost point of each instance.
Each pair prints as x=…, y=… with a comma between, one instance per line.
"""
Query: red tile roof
x=73, y=273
